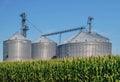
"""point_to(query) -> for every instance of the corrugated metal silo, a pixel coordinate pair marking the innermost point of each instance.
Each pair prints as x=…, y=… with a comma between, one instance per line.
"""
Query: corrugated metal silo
x=16, y=48
x=44, y=49
x=85, y=44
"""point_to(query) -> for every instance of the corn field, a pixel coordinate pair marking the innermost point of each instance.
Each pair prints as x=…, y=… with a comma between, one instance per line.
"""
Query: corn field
x=92, y=69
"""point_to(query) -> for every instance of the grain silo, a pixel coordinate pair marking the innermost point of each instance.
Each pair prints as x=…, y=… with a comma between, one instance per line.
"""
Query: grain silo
x=16, y=48
x=44, y=49
x=85, y=44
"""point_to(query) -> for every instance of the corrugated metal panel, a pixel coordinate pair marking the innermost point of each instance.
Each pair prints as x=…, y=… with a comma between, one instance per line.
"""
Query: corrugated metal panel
x=85, y=44
x=44, y=49
x=84, y=49
x=16, y=49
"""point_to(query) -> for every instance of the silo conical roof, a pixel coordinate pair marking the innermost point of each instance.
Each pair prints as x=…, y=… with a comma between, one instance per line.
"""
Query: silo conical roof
x=99, y=36
x=17, y=36
x=87, y=37
x=44, y=39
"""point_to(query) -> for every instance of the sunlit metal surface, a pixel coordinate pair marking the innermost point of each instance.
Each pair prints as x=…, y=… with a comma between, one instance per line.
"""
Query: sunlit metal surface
x=16, y=48
x=85, y=44
x=44, y=49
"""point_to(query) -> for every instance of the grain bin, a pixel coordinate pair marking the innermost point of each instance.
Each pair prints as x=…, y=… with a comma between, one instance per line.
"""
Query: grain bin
x=44, y=49
x=85, y=44
x=16, y=48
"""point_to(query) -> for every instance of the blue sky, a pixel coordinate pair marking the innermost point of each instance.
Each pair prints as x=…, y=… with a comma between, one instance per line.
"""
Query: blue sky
x=56, y=15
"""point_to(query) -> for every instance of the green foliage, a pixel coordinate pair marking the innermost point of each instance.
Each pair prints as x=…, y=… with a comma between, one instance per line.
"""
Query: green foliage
x=92, y=69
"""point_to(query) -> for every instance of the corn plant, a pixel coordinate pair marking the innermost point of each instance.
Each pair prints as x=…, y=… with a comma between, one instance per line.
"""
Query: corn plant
x=91, y=69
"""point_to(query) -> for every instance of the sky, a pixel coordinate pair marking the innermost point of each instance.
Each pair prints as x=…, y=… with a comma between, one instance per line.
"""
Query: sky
x=56, y=15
